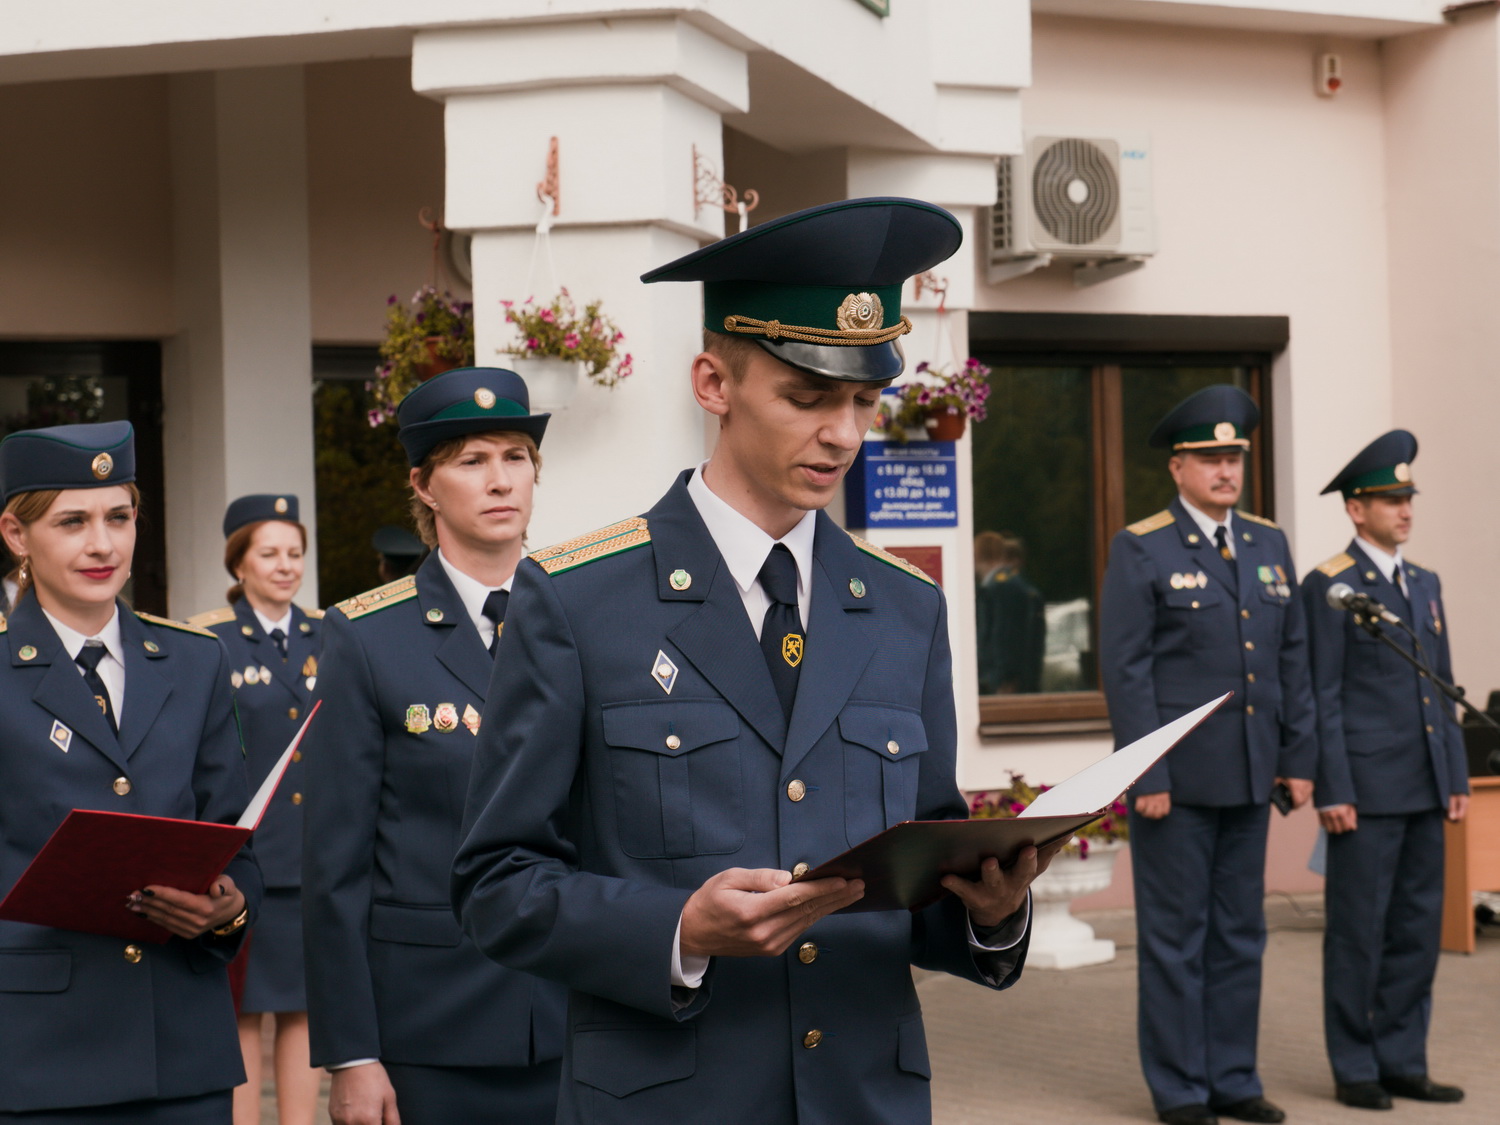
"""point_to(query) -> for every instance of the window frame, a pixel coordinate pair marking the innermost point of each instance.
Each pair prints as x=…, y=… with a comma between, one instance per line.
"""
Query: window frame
x=1106, y=344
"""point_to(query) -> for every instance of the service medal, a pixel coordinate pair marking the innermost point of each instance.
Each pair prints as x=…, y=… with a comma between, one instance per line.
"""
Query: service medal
x=1177, y=582
x=445, y=718
x=417, y=720
x=1190, y=581
x=471, y=719
x=252, y=675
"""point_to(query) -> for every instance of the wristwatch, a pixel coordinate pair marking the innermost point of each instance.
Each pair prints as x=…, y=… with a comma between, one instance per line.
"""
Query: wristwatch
x=234, y=926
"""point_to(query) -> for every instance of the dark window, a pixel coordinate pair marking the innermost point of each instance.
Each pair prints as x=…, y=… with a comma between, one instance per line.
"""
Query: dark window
x=1061, y=464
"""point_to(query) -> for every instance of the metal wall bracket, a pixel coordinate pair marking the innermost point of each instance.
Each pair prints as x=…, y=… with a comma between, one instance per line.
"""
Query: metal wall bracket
x=1017, y=267
x=1107, y=269
x=710, y=190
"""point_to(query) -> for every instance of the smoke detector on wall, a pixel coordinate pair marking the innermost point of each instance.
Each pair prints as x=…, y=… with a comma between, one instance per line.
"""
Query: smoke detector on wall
x=1084, y=200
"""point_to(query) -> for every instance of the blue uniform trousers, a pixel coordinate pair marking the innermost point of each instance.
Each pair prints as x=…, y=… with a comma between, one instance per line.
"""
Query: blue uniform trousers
x=206, y=1109
x=1201, y=929
x=476, y=1095
x=1380, y=946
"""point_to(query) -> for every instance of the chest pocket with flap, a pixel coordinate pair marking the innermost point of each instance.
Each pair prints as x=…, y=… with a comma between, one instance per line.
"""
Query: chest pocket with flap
x=880, y=766
x=677, y=777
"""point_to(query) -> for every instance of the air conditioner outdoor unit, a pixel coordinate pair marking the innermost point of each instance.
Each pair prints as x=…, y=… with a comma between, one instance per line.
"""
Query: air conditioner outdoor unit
x=1085, y=200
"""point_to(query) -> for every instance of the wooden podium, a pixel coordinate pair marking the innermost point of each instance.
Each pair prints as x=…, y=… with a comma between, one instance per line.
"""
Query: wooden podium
x=1472, y=862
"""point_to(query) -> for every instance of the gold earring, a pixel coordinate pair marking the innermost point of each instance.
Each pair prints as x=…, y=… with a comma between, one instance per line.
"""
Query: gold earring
x=23, y=572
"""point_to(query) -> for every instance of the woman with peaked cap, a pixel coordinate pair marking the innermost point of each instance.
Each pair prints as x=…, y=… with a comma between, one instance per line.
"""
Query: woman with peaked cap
x=408, y=1014
x=105, y=708
x=273, y=658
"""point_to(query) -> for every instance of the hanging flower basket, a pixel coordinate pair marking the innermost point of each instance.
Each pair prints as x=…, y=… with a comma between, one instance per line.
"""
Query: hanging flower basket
x=937, y=404
x=430, y=334
x=946, y=425
x=551, y=382
x=587, y=340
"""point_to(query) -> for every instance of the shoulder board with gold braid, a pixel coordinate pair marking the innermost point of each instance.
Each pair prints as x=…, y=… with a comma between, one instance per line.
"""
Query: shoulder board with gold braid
x=382, y=597
x=211, y=617
x=890, y=560
x=314, y=614
x=1337, y=565
x=4, y=624
x=1163, y=518
x=180, y=626
x=1253, y=518
x=612, y=540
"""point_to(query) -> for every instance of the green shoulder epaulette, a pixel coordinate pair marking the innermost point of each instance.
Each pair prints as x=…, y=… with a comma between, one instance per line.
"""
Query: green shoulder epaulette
x=891, y=560
x=611, y=540
x=1417, y=565
x=315, y=614
x=1163, y=518
x=382, y=597
x=1337, y=565
x=211, y=617
x=180, y=626
x=1253, y=518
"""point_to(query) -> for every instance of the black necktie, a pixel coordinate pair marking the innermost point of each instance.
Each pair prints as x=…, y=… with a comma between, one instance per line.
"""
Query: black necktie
x=88, y=659
x=1221, y=539
x=280, y=638
x=781, y=639
x=494, y=609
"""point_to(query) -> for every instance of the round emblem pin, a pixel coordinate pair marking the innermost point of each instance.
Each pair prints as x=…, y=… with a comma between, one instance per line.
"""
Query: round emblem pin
x=27, y=652
x=860, y=311
x=249, y=632
x=1224, y=431
x=152, y=646
x=680, y=579
x=103, y=465
x=1403, y=472
x=856, y=587
x=434, y=615
x=484, y=398
x=280, y=505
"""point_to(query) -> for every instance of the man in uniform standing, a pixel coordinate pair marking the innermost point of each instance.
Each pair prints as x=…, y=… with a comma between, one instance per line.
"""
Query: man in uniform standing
x=1391, y=766
x=1200, y=599
x=694, y=707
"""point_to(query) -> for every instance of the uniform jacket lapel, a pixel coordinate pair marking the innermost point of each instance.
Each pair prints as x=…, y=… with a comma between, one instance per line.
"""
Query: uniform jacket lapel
x=838, y=645
x=459, y=651
x=60, y=689
x=716, y=638
x=146, y=689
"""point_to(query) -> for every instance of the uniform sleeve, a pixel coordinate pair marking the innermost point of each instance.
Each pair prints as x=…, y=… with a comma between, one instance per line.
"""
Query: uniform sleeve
x=345, y=760
x=1127, y=626
x=1458, y=759
x=941, y=933
x=1333, y=783
x=222, y=790
x=517, y=889
x=1298, y=755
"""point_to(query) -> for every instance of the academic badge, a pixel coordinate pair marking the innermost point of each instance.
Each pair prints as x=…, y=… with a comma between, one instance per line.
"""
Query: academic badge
x=445, y=718
x=1202, y=581
x=663, y=671
x=310, y=666
x=417, y=721
x=61, y=736
x=791, y=649
x=265, y=674
x=471, y=719
x=236, y=680
x=311, y=680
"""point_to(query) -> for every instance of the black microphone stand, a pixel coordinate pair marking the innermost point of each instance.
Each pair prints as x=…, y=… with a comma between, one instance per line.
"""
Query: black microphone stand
x=1371, y=624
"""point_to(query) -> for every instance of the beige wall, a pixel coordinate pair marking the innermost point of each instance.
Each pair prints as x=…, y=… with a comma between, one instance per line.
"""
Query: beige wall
x=85, y=210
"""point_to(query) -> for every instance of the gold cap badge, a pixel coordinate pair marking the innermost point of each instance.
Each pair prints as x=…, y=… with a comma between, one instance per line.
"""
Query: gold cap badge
x=103, y=465
x=860, y=311
x=1224, y=431
x=1403, y=472
x=484, y=398
x=280, y=505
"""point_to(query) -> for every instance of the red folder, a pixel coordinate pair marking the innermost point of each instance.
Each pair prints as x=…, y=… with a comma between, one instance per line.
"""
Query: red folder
x=95, y=860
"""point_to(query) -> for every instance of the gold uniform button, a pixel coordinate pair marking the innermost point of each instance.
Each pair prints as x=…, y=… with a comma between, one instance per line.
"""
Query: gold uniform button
x=296, y=798
x=1195, y=605
x=291, y=712
x=812, y=1038
x=807, y=952
x=1429, y=728
x=133, y=954
x=1426, y=700
x=296, y=755
x=1245, y=613
x=893, y=746
x=1250, y=646
x=673, y=742
x=1249, y=708
x=121, y=786
x=800, y=870
x=796, y=789
x=1250, y=677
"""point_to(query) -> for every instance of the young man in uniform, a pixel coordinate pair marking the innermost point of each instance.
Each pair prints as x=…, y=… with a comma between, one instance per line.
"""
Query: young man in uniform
x=1200, y=599
x=698, y=705
x=1391, y=766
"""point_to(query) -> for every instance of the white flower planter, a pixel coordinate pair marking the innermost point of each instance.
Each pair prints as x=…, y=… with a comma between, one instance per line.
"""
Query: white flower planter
x=1059, y=940
x=551, y=382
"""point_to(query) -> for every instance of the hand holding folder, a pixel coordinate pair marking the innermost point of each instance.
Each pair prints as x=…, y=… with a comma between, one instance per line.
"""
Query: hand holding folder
x=95, y=860
x=903, y=866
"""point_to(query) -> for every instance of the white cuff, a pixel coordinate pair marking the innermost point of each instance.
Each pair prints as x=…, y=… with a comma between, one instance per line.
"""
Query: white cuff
x=347, y=1065
x=688, y=969
x=1010, y=933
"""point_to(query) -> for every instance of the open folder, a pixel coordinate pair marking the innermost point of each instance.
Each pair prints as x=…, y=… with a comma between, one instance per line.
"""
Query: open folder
x=95, y=860
x=903, y=866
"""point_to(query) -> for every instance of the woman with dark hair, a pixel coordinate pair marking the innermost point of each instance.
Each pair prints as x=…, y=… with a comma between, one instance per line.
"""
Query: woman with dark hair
x=415, y=1022
x=105, y=708
x=273, y=658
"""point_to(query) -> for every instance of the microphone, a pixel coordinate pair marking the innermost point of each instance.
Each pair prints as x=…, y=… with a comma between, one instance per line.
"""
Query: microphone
x=1343, y=596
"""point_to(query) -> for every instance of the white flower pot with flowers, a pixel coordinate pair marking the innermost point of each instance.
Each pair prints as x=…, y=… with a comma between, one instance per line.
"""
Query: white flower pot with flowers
x=557, y=347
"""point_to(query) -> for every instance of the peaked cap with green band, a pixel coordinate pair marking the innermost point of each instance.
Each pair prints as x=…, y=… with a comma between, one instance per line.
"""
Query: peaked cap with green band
x=84, y=455
x=1220, y=417
x=1382, y=468
x=821, y=289
x=466, y=400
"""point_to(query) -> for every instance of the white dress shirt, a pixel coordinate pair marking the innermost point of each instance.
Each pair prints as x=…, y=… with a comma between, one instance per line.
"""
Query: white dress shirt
x=745, y=547
x=1386, y=562
x=111, y=668
x=285, y=624
x=1210, y=526
x=472, y=593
